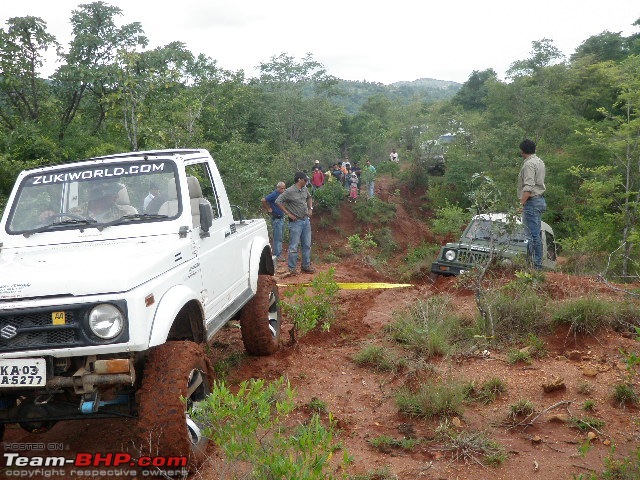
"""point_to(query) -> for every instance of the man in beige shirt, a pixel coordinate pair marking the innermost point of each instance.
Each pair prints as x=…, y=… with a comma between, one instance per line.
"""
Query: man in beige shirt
x=531, y=190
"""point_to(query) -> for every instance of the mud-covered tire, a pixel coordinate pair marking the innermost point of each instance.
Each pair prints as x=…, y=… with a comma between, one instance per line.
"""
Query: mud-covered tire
x=173, y=371
x=260, y=319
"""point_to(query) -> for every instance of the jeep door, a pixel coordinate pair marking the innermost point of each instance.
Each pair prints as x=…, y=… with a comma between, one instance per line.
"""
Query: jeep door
x=224, y=273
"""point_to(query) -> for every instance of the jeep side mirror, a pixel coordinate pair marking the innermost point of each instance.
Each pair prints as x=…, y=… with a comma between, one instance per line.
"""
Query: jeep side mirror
x=206, y=218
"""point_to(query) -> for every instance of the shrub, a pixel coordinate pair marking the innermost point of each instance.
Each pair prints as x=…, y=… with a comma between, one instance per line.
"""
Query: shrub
x=329, y=196
x=379, y=359
x=432, y=400
x=374, y=211
x=450, y=219
x=361, y=244
x=252, y=427
x=427, y=327
x=516, y=316
x=487, y=392
x=521, y=409
x=385, y=443
x=587, y=423
x=471, y=446
x=624, y=395
x=518, y=356
x=584, y=315
x=309, y=309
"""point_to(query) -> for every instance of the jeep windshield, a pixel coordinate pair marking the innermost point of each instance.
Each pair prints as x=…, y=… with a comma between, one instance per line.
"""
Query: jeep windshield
x=94, y=196
x=496, y=232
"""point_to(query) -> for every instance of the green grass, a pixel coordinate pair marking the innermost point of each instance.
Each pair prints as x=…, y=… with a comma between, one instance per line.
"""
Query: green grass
x=444, y=399
x=379, y=359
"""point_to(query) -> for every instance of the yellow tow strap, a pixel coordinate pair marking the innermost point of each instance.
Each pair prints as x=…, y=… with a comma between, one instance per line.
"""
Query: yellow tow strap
x=354, y=285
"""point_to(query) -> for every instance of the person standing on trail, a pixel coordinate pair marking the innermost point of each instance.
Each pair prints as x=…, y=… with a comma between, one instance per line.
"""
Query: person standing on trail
x=297, y=204
x=317, y=178
x=369, y=177
x=531, y=190
x=277, y=218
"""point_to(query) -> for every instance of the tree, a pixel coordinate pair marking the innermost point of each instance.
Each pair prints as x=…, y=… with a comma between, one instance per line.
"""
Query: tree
x=543, y=54
x=473, y=94
x=21, y=56
x=90, y=63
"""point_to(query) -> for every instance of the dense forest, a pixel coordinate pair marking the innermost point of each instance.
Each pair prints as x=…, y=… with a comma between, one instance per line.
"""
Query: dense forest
x=110, y=94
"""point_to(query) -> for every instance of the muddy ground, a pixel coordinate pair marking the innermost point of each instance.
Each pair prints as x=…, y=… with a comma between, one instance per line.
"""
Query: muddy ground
x=320, y=365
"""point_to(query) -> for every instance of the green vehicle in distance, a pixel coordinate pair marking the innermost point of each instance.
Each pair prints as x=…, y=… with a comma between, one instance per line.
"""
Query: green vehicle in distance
x=495, y=237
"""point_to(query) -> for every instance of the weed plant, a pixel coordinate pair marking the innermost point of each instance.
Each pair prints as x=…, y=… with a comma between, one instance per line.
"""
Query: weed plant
x=474, y=447
x=427, y=327
x=253, y=427
x=328, y=197
x=379, y=358
x=585, y=316
x=386, y=443
x=521, y=409
x=377, y=474
x=444, y=399
x=485, y=393
x=616, y=468
x=624, y=395
x=518, y=356
x=374, y=211
x=586, y=424
x=317, y=405
x=450, y=219
x=314, y=305
x=517, y=316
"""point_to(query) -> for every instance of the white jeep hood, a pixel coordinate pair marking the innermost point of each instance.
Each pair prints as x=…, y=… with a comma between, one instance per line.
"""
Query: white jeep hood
x=86, y=268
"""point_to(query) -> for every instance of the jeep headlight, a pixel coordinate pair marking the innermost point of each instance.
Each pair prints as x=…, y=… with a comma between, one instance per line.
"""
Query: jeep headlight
x=106, y=321
x=450, y=255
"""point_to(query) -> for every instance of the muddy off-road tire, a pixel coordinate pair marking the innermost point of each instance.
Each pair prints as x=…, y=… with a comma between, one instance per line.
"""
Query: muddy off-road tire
x=173, y=371
x=260, y=319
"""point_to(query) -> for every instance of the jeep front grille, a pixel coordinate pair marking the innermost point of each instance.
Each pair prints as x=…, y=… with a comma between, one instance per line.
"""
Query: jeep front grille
x=472, y=257
x=34, y=329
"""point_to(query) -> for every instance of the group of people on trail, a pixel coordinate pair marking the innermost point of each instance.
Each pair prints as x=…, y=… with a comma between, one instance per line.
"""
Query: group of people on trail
x=296, y=203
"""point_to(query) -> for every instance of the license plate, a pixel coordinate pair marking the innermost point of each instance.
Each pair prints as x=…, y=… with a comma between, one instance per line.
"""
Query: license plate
x=23, y=372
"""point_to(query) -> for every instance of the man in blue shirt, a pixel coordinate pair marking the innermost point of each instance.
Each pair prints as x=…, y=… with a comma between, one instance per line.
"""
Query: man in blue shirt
x=277, y=218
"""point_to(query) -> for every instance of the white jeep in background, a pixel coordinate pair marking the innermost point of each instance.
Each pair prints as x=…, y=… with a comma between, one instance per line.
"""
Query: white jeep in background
x=106, y=306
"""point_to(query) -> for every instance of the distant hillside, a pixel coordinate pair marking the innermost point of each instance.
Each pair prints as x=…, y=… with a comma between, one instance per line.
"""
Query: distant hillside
x=352, y=94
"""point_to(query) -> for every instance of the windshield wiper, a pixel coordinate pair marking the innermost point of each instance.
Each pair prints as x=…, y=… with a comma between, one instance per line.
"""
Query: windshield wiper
x=62, y=223
x=132, y=217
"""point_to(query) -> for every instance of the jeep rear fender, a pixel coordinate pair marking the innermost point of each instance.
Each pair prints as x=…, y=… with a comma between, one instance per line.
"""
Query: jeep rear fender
x=260, y=262
x=170, y=305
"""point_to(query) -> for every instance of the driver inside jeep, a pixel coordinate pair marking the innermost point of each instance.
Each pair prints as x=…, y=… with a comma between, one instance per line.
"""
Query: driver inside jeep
x=107, y=201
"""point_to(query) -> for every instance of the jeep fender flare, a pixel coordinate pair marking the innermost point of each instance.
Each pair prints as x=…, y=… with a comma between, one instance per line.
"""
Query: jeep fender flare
x=169, y=306
x=260, y=261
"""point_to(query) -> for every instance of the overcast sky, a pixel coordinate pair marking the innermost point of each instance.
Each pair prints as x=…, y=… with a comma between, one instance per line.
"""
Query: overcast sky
x=357, y=39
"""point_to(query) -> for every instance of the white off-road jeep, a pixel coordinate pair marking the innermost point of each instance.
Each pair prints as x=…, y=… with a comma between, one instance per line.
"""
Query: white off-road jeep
x=108, y=296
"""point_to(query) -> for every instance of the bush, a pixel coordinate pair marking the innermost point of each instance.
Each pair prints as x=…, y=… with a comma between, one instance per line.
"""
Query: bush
x=253, y=427
x=307, y=309
x=584, y=315
x=329, y=196
x=450, y=219
x=444, y=399
x=427, y=327
x=374, y=211
x=379, y=359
